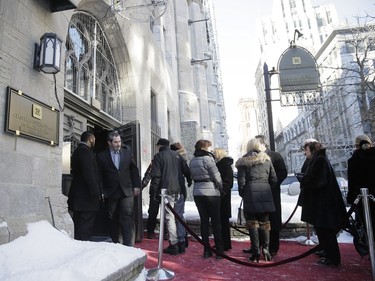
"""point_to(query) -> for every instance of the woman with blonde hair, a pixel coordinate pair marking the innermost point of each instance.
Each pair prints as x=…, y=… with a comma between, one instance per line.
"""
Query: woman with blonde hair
x=256, y=176
x=224, y=164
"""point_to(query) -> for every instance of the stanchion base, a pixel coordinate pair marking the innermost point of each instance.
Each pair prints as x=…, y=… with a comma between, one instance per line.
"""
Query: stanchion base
x=308, y=242
x=159, y=274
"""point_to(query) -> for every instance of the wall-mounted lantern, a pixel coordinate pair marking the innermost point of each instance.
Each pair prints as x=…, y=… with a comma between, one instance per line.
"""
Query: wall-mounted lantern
x=47, y=54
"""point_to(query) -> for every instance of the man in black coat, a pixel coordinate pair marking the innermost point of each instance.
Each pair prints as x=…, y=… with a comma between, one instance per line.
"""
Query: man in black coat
x=275, y=218
x=120, y=179
x=167, y=170
x=84, y=194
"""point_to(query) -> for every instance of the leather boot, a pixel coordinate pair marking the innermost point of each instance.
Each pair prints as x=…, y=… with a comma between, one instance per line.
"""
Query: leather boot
x=207, y=253
x=247, y=251
x=264, y=233
x=172, y=249
x=254, y=238
x=181, y=247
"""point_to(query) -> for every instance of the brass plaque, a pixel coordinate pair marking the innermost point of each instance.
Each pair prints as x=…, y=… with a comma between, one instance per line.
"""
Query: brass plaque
x=30, y=118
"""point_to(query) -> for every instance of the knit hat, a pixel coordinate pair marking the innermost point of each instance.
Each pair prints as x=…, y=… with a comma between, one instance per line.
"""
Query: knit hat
x=176, y=146
x=362, y=138
x=307, y=142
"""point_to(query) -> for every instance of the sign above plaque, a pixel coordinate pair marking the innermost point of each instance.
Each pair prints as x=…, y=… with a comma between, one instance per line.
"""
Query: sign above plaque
x=30, y=118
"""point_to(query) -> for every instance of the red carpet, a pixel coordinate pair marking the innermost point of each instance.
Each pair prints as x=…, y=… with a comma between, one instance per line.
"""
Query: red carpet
x=192, y=266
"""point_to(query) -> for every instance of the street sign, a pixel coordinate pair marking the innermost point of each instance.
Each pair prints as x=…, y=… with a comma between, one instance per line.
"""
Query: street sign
x=298, y=71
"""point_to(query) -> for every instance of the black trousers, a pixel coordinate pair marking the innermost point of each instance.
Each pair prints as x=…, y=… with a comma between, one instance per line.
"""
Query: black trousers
x=153, y=210
x=83, y=224
x=327, y=238
x=225, y=233
x=124, y=207
x=209, y=207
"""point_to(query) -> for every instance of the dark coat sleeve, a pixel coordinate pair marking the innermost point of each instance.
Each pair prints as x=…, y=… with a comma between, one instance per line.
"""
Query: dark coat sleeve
x=280, y=168
x=147, y=176
x=226, y=173
x=353, y=186
x=317, y=175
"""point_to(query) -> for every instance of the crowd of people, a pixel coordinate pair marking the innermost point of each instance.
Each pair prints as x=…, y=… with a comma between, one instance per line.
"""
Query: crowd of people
x=112, y=178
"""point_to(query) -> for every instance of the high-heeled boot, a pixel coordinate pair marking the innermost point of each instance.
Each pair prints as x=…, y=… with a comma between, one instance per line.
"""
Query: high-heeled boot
x=264, y=233
x=254, y=237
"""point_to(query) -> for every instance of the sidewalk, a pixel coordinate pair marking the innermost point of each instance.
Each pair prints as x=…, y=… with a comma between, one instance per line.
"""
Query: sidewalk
x=191, y=265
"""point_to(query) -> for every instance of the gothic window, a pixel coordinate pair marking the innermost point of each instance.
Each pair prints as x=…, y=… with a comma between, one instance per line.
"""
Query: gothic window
x=90, y=72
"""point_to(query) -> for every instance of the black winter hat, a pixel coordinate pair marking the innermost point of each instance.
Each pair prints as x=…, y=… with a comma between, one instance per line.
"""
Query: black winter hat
x=163, y=142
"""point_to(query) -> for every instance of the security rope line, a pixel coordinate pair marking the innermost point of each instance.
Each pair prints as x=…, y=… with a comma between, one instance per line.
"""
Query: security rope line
x=290, y=217
x=252, y=264
x=235, y=227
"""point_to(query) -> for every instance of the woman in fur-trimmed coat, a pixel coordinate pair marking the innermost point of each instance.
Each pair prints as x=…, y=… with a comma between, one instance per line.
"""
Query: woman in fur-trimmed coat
x=256, y=176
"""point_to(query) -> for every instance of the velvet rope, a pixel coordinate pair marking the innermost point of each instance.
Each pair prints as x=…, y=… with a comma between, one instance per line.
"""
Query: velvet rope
x=252, y=264
x=282, y=227
x=290, y=217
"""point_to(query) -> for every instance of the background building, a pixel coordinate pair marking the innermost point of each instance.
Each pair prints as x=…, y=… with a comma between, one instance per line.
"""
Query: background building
x=143, y=79
x=275, y=34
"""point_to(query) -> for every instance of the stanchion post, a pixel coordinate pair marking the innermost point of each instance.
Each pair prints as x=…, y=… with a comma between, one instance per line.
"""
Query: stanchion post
x=308, y=241
x=160, y=273
x=370, y=235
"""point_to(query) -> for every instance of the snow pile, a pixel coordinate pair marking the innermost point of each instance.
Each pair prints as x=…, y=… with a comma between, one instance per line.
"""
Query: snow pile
x=48, y=254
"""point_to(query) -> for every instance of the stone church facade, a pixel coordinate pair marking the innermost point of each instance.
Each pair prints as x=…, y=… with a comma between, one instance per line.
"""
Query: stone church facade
x=147, y=80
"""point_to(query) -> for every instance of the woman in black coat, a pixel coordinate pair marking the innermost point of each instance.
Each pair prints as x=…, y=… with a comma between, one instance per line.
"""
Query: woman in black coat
x=361, y=167
x=322, y=202
x=224, y=165
x=256, y=176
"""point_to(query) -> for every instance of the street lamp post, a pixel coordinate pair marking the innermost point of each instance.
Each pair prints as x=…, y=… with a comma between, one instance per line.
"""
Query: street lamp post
x=267, y=87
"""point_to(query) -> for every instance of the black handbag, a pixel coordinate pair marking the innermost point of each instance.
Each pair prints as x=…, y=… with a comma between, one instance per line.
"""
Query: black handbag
x=357, y=228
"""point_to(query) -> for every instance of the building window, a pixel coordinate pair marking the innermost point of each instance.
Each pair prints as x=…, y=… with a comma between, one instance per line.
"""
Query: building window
x=90, y=72
x=329, y=18
x=292, y=4
x=350, y=47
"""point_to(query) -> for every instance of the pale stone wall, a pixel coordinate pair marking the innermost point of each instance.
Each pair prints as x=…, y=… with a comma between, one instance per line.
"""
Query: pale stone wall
x=156, y=59
x=30, y=171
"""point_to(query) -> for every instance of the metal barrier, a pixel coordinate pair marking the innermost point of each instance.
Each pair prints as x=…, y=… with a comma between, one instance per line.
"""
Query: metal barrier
x=160, y=273
x=370, y=236
x=308, y=241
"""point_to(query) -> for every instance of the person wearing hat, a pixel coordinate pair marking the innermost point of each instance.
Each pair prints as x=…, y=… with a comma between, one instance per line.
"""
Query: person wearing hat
x=167, y=166
x=322, y=204
x=361, y=167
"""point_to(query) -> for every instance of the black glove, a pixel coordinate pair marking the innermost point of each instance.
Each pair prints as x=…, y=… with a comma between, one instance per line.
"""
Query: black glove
x=240, y=192
x=144, y=183
x=299, y=176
